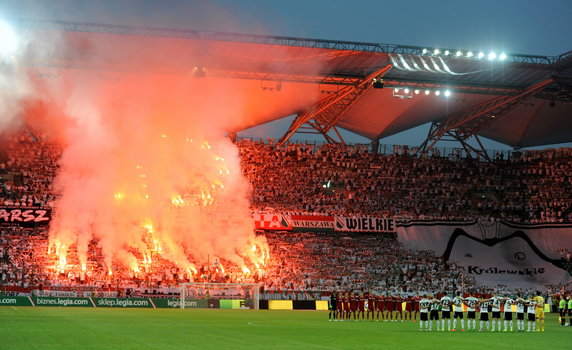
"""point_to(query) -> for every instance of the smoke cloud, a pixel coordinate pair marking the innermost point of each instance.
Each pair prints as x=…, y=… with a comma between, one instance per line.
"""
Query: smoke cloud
x=147, y=168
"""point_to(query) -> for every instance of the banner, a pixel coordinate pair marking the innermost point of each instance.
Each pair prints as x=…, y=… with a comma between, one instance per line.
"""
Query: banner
x=313, y=223
x=271, y=222
x=364, y=224
x=523, y=256
x=68, y=302
x=14, y=291
x=24, y=216
x=15, y=301
x=123, y=302
x=175, y=303
x=55, y=293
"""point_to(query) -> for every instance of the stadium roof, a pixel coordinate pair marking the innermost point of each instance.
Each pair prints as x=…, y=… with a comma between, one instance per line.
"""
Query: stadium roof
x=518, y=100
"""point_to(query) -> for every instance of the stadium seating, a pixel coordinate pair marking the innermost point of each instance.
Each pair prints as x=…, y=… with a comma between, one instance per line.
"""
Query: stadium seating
x=332, y=179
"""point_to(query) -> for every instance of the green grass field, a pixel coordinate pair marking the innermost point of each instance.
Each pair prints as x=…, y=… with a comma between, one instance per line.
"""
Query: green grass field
x=107, y=328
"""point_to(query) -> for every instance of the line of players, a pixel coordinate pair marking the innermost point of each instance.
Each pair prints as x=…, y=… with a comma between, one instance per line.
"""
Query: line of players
x=368, y=306
x=532, y=306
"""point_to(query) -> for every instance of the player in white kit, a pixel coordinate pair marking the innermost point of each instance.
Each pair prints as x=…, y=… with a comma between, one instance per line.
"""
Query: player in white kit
x=496, y=304
x=471, y=303
x=531, y=311
x=458, y=304
x=446, y=311
x=520, y=302
x=424, y=304
x=484, y=316
x=508, y=313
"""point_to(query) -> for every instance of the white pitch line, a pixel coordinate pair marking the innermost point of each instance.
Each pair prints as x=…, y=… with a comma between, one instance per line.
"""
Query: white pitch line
x=15, y=308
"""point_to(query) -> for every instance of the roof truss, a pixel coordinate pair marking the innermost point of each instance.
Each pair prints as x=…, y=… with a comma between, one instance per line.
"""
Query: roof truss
x=322, y=117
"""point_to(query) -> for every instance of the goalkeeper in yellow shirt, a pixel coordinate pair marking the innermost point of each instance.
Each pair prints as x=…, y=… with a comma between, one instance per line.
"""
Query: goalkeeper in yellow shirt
x=539, y=312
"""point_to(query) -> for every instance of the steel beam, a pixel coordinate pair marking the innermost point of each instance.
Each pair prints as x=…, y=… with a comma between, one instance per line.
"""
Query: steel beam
x=468, y=122
x=464, y=87
x=323, y=116
x=260, y=39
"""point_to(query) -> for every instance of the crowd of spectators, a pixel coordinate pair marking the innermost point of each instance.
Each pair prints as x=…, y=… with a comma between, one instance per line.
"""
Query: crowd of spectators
x=27, y=170
x=531, y=187
x=315, y=262
x=307, y=263
x=303, y=178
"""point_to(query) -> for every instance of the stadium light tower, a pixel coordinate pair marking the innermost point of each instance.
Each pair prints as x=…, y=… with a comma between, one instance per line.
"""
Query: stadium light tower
x=8, y=39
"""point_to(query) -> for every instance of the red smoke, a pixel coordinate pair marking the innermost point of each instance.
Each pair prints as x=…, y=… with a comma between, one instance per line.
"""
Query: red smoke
x=146, y=167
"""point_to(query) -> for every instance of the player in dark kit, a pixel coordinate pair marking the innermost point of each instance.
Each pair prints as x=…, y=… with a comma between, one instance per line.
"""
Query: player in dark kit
x=389, y=308
x=346, y=304
x=380, y=307
x=340, y=307
x=353, y=305
x=416, y=307
x=371, y=305
x=333, y=306
x=398, y=307
x=409, y=308
x=361, y=307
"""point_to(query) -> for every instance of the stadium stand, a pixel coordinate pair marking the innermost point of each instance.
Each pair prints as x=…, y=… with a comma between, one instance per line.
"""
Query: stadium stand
x=530, y=187
x=333, y=179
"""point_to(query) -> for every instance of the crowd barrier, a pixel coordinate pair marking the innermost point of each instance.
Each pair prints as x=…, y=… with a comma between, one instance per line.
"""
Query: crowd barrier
x=160, y=303
x=174, y=303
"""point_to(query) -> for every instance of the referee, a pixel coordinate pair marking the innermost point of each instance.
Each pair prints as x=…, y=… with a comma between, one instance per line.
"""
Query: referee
x=569, y=309
x=562, y=310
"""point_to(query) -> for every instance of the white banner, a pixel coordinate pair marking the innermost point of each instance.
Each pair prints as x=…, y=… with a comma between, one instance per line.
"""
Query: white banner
x=364, y=224
x=498, y=254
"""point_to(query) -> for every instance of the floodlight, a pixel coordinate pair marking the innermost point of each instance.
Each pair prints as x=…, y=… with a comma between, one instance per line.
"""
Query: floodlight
x=8, y=39
x=416, y=91
x=437, y=93
x=470, y=54
x=427, y=92
x=377, y=83
x=459, y=53
x=436, y=52
x=396, y=89
x=447, y=93
x=481, y=54
x=424, y=51
x=406, y=90
x=447, y=52
x=492, y=56
x=502, y=56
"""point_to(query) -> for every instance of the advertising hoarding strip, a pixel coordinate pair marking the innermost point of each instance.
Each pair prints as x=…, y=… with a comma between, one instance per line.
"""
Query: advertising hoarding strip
x=152, y=303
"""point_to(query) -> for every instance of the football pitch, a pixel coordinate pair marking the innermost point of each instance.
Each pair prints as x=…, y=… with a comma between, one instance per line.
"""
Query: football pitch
x=112, y=328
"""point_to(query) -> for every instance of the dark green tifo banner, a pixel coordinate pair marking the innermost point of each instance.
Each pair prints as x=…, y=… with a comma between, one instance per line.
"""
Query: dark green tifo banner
x=176, y=303
x=62, y=301
x=121, y=302
x=14, y=301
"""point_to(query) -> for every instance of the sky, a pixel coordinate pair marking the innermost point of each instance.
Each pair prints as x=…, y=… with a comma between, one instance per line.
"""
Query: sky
x=525, y=26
